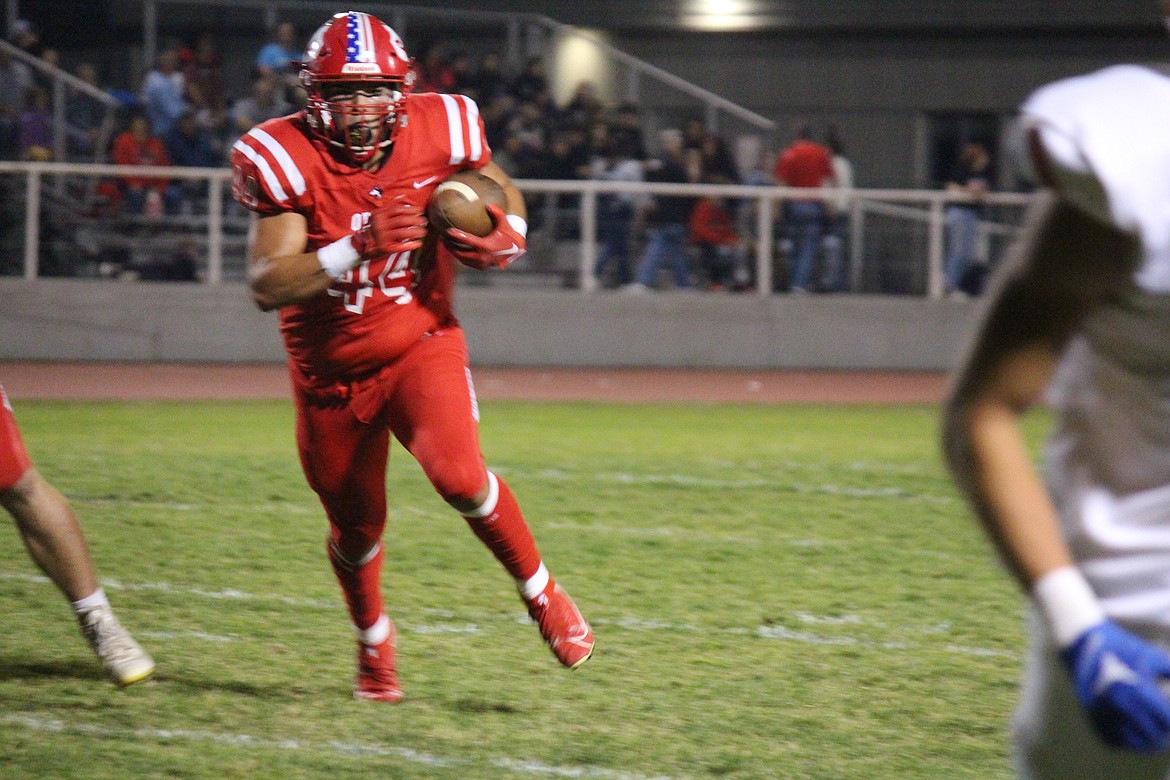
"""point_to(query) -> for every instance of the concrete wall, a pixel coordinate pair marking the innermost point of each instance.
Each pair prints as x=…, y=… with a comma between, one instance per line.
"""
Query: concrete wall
x=92, y=320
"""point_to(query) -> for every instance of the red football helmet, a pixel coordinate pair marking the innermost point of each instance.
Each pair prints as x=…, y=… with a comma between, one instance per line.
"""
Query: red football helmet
x=356, y=48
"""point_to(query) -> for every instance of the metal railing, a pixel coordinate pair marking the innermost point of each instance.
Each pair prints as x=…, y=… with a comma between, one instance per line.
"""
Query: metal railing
x=63, y=84
x=219, y=219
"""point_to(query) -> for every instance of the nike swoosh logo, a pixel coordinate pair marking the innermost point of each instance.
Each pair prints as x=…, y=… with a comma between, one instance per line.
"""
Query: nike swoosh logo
x=514, y=248
x=418, y=185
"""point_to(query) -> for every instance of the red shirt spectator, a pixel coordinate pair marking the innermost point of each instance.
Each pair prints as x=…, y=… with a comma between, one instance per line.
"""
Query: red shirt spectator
x=136, y=146
x=712, y=223
x=804, y=164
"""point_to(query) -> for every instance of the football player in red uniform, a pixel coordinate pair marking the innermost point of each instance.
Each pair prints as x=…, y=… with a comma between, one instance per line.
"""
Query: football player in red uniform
x=50, y=531
x=340, y=191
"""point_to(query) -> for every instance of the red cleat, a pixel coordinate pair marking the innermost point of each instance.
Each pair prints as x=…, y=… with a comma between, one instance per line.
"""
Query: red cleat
x=377, y=679
x=562, y=625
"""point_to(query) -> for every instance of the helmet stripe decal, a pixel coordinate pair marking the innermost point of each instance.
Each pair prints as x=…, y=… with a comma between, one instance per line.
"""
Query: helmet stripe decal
x=454, y=129
x=357, y=38
x=368, y=36
x=291, y=172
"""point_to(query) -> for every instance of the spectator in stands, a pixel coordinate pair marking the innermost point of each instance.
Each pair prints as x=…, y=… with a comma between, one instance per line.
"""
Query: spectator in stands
x=463, y=72
x=666, y=218
x=25, y=37
x=266, y=102
x=136, y=146
x=694, y=131
x=496, y=114
x=531, y=81
x=551, y=117
x=523, y=156
x=487, y=81
x=163, y=92
x=276, y=59
x=15, y=81
x=203, y=82
x=833, y=275
x=568, y=159
x=51, y=57
x=722, y=252
x=615, y=212
x=35, y=139
x=192, y=145
x=434, y=72
x=584, y=107
x=807, y=165
x=529, y=122
x=626, y=128
x=599, y=140
x=968, y=177
x=718, y=164
x=84, y=115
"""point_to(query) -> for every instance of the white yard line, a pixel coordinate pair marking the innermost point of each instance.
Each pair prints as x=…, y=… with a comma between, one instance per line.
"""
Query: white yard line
x=628, y=623
x=163, y=636
x=666, y=532
x=38, y=722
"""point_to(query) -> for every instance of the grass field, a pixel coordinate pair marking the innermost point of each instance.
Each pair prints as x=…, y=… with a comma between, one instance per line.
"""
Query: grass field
x=777, y=592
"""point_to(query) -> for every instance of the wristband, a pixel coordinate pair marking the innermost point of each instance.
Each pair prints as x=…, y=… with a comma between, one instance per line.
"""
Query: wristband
x=518, y=224
x=338, y=257
x=1067, y=601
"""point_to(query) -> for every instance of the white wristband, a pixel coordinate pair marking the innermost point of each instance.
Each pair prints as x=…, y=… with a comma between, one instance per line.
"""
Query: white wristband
x=518, y=224
x=338, y=257
x=1068, y=603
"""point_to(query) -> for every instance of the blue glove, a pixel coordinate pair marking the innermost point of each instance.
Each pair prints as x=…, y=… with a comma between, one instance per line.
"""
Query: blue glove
x=1116, y=678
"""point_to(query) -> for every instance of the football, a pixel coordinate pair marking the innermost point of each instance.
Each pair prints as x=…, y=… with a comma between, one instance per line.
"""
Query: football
x=461, y=202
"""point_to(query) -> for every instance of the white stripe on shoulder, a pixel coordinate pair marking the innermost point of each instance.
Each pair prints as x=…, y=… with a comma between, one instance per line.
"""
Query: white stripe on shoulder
x=291, y=172
x=264, y=168
x=473, y=133
x=454, y=129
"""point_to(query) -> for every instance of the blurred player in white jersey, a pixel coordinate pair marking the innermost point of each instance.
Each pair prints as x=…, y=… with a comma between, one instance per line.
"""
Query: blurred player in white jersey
x=1082, y=310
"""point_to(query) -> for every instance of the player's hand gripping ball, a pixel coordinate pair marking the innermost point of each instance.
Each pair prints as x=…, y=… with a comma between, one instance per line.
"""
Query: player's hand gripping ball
x=461, y=202
x=467, y=210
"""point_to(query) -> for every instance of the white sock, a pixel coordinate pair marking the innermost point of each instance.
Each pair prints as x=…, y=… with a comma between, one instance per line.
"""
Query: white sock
x=95, y=599
x=534, y=585
x=375, y=634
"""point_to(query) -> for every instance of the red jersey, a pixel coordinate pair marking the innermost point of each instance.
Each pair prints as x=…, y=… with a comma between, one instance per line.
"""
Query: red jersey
x=374, y=313
x=128, y=150
x=804, y=164
x=712, y=224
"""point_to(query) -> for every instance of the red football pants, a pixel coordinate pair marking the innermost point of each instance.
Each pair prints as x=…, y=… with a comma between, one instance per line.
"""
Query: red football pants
x=14, y=458
x=425, y=399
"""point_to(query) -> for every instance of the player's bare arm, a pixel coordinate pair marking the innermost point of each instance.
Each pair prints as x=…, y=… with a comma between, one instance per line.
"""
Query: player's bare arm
x=280, y=271
x=1064, y=267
